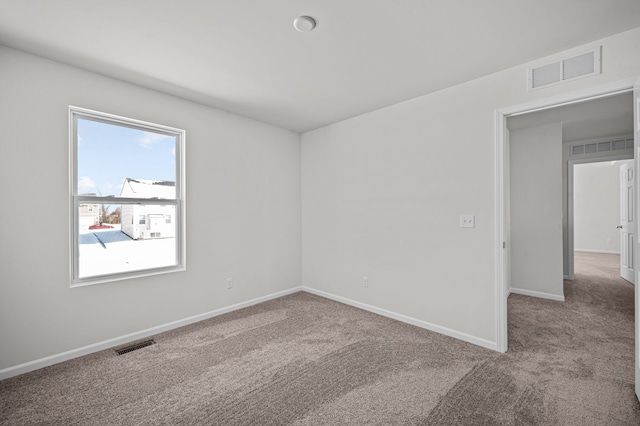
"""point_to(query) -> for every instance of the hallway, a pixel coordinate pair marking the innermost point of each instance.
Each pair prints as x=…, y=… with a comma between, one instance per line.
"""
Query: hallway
x=580, y=353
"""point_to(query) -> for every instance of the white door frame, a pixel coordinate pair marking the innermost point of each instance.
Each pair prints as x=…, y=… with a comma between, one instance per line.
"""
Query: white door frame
x=570, y=211
x=627, y=226
x=502, y=264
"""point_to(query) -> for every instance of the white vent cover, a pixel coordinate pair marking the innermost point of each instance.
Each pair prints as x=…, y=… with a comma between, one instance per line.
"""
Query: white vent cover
x=593, y=147
x=545, y=75
x=582, y=65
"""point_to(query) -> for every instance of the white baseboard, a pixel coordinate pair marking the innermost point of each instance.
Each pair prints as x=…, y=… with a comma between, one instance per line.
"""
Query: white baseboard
x=121, y=340
x=106, y=344
x=409, y=320
x=537, y=294
x=597, y=251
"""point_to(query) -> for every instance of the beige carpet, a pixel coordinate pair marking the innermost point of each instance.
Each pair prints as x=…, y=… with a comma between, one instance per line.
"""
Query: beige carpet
x=305, y=360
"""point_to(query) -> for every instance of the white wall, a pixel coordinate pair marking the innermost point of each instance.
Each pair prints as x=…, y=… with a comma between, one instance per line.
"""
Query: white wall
x=243, y=212
x=536, y=210
x=596, y=203
x=382, y=194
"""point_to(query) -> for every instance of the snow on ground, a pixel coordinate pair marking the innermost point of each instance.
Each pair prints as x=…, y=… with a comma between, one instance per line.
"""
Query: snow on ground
x=119, y=253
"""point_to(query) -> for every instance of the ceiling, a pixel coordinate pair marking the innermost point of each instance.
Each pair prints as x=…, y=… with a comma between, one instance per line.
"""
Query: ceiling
x=599, y=118
x=244, y=56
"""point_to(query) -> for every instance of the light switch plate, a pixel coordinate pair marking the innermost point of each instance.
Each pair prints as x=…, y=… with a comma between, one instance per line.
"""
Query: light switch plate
x=467, y=221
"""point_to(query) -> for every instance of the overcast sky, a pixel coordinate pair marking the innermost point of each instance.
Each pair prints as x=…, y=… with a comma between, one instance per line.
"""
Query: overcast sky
x=107, y=154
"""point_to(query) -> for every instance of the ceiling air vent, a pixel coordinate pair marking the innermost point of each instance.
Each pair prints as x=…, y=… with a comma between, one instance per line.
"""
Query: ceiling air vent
x=577, y=150
x=590, y=148
x=582, y=65
x=604, y=146
x=545, y=75
x=619, y=144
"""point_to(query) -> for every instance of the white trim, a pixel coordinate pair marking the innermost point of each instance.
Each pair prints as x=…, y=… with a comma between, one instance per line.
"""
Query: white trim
x=537, y=294
x=587, y=94
x=597, y=251
x=110, y=343
x=636, y=217
x=501, y=114
x=127, y=338
x=501, y=267
x=406, y=319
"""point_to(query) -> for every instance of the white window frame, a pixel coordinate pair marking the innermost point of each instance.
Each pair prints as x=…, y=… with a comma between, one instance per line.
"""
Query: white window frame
x=77, y=199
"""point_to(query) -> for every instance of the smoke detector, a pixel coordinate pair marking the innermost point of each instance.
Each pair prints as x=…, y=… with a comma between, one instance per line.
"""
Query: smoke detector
x=304, y=24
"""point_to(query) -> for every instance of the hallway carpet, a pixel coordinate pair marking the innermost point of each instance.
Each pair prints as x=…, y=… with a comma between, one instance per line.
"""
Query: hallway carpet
x=306, y=360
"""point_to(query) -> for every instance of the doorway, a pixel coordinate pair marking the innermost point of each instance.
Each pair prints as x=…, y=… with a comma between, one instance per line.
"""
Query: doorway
x=580, y=118
x=503, y=230
x=597, y=208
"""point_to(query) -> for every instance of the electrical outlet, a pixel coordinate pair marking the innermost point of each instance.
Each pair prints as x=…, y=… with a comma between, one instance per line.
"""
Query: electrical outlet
x=365, y=282
x=229, y=283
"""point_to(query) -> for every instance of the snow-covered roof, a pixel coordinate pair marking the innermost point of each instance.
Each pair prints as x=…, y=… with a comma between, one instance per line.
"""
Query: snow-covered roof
x=146, y=188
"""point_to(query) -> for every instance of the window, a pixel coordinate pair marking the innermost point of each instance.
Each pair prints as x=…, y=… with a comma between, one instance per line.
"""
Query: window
x=131, y=173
